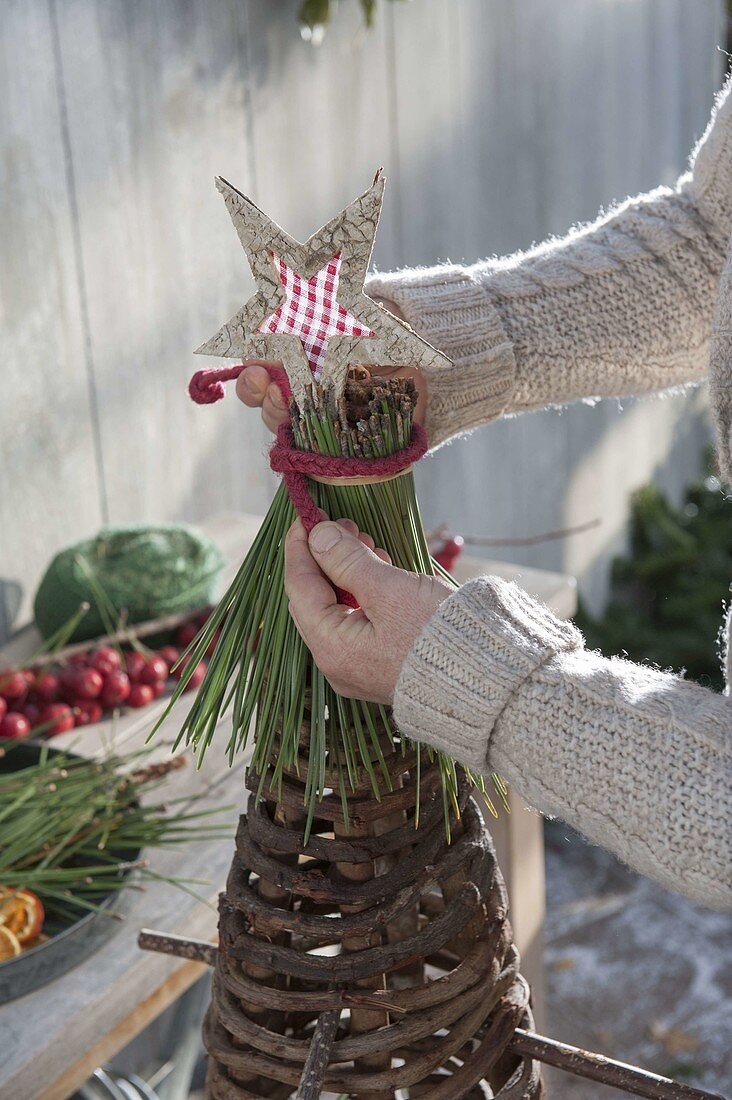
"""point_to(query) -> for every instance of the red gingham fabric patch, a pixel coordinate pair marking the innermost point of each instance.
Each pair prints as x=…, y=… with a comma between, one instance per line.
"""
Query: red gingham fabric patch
x=310, y=311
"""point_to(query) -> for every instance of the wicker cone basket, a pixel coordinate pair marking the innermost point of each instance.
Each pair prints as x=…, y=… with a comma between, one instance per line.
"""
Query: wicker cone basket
x=402, y=938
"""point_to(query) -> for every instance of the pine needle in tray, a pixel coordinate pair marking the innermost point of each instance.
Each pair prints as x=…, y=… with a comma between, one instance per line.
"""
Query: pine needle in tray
x=72, y=829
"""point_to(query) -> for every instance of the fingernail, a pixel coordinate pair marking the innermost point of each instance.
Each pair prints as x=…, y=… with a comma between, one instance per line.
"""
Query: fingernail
x=275, y=395
x=324, y=537
x=250, y=385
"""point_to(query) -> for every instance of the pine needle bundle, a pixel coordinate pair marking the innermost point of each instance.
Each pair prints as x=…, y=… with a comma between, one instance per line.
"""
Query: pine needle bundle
x=73, y=828
x=261, y=671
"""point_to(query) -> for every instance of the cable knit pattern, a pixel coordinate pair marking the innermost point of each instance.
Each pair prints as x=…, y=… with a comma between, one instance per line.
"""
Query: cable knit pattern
x=642, y=759
x=720, y=389
x=708, y=181
x=473, y=655
x=632, y=296
x=452, y=311
x=638, y=760
x=621, y=306
x=720, y=371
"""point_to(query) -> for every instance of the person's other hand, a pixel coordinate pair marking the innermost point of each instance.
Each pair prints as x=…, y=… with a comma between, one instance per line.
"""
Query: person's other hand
x=254, y=388
x=359, y=652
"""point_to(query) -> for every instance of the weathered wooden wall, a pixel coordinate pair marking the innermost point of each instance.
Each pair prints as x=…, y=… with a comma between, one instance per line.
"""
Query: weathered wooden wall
x=498, y=121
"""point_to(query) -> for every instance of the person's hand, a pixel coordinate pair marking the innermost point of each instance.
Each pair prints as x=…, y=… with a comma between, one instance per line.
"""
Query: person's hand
x=254, y=388
x=359, y=652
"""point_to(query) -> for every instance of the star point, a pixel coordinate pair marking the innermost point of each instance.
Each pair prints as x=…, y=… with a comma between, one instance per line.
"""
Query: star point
x=310, y=310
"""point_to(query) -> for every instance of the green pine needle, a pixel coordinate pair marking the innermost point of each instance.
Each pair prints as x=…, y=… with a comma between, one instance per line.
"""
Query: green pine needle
x=261, y=674
x=71, y=828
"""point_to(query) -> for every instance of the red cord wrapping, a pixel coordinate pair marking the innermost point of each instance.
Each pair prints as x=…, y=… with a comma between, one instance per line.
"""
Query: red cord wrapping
x=295, y=466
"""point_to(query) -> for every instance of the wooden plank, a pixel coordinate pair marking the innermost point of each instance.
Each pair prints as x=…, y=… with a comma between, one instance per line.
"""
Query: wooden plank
x=503, y=143
x=320, y=123
x=698, y=26
x=603, y=115
x=46, y=414
x=519, y=841
x=424, y=94
x=499, y=150
x=157, y=105
x=124, y=1032
x=50, y=1031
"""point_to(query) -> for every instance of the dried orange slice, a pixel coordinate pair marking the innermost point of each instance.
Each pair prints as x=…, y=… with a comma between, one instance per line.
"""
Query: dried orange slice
x=43, y=938
x=21, y=913
x=9, y=945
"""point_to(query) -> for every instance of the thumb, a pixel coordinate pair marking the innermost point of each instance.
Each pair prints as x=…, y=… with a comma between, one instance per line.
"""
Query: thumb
x=347, y=562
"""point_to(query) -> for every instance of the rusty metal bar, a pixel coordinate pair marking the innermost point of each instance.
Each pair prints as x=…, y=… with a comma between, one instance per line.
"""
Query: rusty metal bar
x=168, y=944
x=596, y=1067
x=580, y=1063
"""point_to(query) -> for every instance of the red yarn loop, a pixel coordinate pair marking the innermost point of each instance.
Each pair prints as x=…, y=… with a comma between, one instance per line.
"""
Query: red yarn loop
x=296, y=466
x=207, y=386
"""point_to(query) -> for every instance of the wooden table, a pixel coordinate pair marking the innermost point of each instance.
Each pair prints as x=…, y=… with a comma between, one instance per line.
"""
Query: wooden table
x=52, y=1040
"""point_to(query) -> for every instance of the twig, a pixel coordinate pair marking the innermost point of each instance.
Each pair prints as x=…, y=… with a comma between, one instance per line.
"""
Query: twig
x=581, y=1063
x=169, y=944
x=316, y=1063
x=596, y=1067
x=126, y=634
x=444, y=532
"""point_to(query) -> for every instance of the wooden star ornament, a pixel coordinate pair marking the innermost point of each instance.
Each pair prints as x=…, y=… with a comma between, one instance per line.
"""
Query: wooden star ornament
x=310, y=310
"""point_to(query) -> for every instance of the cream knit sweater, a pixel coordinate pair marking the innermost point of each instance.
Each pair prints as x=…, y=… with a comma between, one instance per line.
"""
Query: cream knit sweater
x=636, y=759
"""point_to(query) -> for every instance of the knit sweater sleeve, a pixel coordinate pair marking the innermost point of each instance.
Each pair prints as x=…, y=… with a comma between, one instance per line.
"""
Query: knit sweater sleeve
x=636, y=759
x=621, y=306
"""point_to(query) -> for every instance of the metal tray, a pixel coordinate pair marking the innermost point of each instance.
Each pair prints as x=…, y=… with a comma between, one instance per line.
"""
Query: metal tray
x=69, y=944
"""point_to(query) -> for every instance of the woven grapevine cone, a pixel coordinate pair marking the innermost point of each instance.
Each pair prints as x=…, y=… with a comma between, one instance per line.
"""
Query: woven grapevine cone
x=405, y=935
